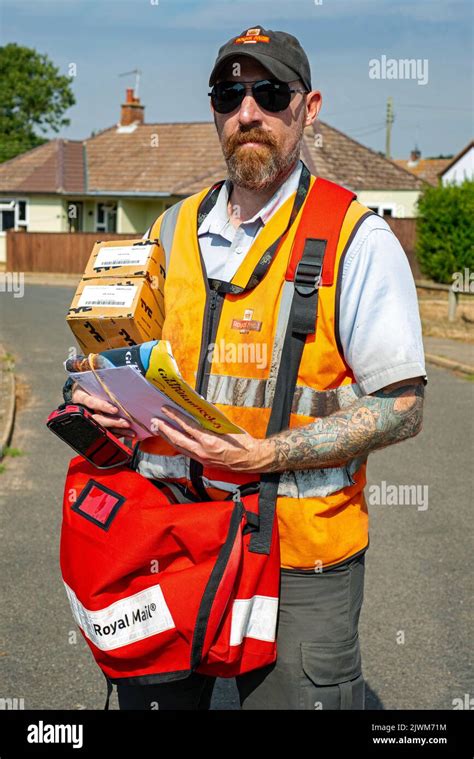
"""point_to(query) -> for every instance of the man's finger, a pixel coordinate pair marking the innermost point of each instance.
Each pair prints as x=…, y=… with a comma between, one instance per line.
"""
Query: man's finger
x=189, y=425
x=175, y=437
x=111, y=421
x=123, y=433
x=93, y=402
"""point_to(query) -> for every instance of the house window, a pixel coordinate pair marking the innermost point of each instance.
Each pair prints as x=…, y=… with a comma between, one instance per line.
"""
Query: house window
x=13, y=214
x=106, y=220
x=21, y=206
x=383, y=209
x=74, y=215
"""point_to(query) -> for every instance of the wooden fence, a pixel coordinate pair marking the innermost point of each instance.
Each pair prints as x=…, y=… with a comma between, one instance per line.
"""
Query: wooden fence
x=405, y=230
x=453, y=295
x=65, y=252
x=58, y=252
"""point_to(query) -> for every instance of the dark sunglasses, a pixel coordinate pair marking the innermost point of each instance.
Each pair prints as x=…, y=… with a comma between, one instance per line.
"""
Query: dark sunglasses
x=271, y=95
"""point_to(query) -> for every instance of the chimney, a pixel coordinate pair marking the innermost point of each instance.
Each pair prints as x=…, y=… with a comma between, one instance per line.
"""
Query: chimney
x=415, y=156
x=132, y=112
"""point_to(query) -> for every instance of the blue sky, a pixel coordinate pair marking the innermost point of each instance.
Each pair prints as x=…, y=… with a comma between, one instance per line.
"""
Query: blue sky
x=174, y=43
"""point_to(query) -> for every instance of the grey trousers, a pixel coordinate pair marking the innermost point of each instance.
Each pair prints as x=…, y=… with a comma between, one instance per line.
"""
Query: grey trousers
x=318, y=665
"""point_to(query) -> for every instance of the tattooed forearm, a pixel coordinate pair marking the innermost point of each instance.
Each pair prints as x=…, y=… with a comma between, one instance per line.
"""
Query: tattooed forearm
x=374, y=421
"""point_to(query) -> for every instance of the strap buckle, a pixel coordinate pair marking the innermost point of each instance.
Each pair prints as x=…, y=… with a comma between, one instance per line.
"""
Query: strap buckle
x=308, y=271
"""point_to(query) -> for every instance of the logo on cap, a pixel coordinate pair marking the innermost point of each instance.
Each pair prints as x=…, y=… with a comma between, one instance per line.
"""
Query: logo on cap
x=251, y=36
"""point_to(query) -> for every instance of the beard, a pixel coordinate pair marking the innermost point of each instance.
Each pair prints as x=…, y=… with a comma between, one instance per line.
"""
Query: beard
x=258, y=167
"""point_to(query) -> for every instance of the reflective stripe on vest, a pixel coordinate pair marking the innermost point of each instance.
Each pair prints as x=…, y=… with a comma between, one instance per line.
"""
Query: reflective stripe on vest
x=167, y=227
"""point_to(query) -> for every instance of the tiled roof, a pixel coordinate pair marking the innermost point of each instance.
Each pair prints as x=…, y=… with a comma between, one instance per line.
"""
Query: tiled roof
x=341, y=159
x=181, y=159
x=56, y=166
x=425, y=168
x=154, y=158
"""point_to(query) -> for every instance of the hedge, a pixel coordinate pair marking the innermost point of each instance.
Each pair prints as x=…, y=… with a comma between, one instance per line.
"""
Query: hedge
x=445, y=231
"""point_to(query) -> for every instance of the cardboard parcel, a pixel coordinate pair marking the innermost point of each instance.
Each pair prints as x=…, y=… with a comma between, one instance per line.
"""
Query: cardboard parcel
x=120, y=299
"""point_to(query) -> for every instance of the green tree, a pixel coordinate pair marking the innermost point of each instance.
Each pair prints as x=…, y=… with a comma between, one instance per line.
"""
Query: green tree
x=33, y=96
x=445, y=230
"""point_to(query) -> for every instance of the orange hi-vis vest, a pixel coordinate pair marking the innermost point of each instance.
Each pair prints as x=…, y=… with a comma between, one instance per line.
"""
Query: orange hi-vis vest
x=228, y=345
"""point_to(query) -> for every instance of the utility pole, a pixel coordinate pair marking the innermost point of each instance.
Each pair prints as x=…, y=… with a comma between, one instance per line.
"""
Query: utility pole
x=388, y=124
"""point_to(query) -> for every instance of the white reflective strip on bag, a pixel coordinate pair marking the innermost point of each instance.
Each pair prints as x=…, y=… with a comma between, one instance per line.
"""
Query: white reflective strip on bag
x=126, y=621
x=157, y=467
x=254, y=618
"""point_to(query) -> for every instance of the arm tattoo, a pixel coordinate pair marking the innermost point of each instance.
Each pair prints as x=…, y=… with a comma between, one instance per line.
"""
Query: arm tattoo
x=372, y=422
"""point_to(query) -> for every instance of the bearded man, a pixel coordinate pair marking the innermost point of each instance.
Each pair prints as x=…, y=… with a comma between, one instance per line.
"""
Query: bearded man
x=359, y=387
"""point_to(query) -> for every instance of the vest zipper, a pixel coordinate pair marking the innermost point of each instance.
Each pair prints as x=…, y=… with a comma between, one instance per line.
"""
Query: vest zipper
x=202, y=380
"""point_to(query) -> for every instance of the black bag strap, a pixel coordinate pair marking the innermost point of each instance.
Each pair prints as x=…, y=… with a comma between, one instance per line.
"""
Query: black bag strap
x=110, y=688
x=301, y=322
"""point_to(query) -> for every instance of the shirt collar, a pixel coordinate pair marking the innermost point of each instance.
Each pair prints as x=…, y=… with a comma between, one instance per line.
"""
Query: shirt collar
x=217, y=219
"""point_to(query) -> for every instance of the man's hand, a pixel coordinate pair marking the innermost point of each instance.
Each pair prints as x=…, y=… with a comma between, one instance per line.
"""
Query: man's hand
x=372, y=422
x=108, y=414
x=240, y=452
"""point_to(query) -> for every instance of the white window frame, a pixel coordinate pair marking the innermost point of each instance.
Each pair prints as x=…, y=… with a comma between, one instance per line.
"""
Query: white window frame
x=19, y=224
x=103, y=226
x=379, y=208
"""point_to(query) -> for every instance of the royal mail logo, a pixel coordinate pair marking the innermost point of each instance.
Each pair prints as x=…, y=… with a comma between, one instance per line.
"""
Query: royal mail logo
x=251, y=35
x=137, y=615
x=126, y=621
x=246, y=324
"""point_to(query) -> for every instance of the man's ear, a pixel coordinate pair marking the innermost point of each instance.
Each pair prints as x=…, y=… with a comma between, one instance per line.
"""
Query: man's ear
x=313, y=106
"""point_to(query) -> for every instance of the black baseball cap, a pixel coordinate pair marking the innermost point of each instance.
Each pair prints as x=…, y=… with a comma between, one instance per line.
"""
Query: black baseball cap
x=279, y=52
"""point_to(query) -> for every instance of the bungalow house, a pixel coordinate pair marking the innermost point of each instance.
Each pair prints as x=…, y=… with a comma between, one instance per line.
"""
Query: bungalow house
x=461, y=167
x=427, y=169
x=122, y=178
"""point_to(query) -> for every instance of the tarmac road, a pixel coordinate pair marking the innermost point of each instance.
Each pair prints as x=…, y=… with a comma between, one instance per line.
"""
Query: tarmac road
x=415, y=629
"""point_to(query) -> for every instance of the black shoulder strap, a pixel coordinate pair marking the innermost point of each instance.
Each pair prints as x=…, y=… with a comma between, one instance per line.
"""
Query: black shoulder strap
x=110, y=688
x=301, y=322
